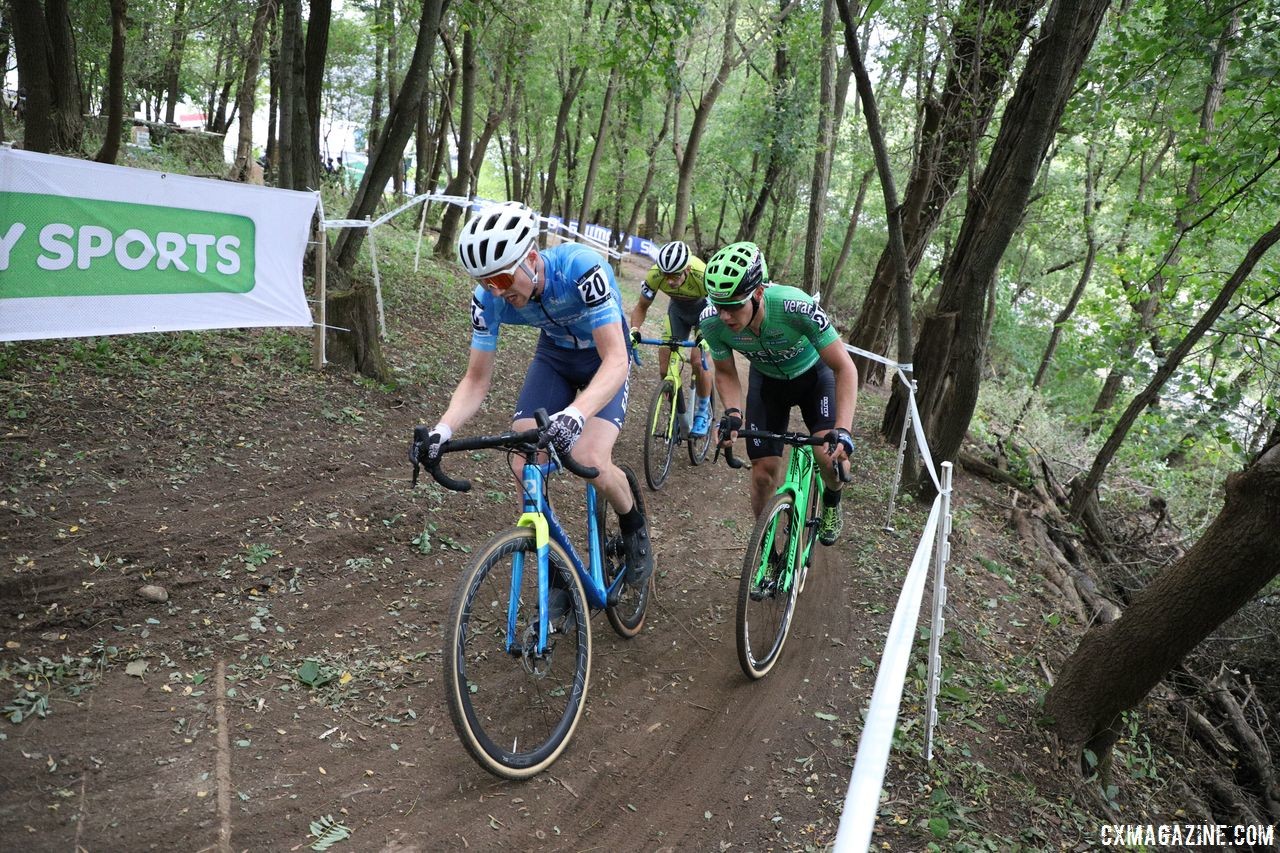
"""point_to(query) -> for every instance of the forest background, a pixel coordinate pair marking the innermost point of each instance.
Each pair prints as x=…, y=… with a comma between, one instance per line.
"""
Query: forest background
x=1060, y=213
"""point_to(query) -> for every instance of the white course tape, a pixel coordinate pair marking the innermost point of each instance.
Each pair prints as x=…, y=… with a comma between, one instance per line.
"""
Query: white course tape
x=862, y=800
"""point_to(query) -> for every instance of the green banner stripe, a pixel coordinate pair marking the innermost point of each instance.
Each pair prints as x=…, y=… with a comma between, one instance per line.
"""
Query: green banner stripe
x=54, y=245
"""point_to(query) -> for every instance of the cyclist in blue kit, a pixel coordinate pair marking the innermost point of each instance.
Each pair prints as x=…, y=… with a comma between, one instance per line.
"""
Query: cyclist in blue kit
x=579, y=369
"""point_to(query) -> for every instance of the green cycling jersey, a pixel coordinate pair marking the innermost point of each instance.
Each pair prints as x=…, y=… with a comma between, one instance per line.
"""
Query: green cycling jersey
x=794, y=328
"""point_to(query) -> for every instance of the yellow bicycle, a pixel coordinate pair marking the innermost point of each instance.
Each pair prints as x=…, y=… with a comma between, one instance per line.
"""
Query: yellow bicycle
x=671, y=412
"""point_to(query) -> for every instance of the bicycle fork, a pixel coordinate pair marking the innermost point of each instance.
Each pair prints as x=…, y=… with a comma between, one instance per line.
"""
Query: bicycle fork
x=533, y=517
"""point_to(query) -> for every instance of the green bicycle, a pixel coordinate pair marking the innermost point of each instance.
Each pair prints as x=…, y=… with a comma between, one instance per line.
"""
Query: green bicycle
x=779, y=552
x=669, y=413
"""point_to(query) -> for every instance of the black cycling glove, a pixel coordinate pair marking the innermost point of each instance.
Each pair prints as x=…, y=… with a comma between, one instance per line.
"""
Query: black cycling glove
x=730, y=423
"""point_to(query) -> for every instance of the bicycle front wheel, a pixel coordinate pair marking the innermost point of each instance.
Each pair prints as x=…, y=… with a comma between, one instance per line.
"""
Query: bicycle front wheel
x=515, y=709
x=626, y=613
x=700, y=447
x=659, y=436
x=767, y=590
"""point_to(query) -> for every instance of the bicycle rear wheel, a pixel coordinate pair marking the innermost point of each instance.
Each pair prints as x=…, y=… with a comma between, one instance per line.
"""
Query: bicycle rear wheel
x=659, y=436
x=700, y=447
x=626, y=615
x=767, y=591
x=515, y=710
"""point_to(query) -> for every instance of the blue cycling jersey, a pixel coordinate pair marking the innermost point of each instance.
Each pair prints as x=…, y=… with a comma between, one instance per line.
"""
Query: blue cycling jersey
x=580, y=296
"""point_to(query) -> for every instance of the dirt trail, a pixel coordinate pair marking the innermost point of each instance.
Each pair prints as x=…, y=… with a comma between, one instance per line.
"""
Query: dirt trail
x=276, y=513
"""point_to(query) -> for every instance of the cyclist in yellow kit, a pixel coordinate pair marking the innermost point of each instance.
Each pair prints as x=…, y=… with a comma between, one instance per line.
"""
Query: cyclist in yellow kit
x=679, y=275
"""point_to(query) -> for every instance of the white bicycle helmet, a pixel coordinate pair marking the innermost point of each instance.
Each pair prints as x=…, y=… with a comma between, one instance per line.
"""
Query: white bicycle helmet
x=673, y=258
x=497, y=238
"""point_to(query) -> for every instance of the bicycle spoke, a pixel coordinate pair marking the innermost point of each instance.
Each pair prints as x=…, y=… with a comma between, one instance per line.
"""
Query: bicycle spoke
x=767, y=589
x=658, y=436
x=626, y=614
x=513, y=706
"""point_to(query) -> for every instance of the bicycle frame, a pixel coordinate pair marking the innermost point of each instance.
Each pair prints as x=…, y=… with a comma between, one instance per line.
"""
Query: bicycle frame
x=674, y=375
x=798, y=482
x=539, y=515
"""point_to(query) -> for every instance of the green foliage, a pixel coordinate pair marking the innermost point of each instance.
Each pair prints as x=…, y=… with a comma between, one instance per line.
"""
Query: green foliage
x=314, y=673
x=327, y=832
x=38, y=682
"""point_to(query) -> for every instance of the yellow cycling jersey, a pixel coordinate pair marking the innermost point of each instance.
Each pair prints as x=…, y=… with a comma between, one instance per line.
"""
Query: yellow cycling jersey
x=691, y=289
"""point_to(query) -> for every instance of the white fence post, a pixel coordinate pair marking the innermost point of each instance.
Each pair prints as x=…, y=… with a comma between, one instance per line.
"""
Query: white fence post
x=322, y=272
x=941, y=554
x=377, y=282
x=422, y=226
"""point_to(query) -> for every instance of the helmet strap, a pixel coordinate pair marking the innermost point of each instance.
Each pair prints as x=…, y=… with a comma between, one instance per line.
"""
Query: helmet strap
x=536, y=294
x=755, y=307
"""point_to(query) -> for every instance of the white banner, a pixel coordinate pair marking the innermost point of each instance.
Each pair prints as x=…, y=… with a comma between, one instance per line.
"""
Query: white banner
x=91, y=249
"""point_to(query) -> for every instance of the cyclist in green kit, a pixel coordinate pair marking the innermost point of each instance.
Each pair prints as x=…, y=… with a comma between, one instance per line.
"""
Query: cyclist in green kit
x=797, y=359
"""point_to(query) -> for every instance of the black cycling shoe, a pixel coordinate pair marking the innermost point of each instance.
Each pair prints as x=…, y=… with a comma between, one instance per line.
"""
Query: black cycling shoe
x=639, y=556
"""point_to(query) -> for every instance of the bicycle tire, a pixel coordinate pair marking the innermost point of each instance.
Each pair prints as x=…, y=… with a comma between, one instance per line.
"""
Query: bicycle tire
x=764, y=613
x=499, y=700
x=700, y=447
x=658, y=439
x=626, y=615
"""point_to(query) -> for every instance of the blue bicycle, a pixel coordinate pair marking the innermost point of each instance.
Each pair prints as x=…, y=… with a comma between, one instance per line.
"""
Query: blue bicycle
x=518, y=642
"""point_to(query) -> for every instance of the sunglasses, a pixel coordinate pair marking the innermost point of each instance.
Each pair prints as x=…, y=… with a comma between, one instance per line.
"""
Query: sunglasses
x=503, y=279
x=728, y=306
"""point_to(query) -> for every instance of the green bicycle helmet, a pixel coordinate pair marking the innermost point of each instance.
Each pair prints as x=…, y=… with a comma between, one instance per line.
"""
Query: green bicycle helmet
x=734, y=272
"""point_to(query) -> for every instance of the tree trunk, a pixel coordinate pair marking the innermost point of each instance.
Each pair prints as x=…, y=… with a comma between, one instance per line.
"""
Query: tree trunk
x=775, y=159
x=949, y=368
x=568, y=94
x=1087, y=489
x=983, y=47
x=829, y=286
x=393, y=62
x=355, y=308
x=290, y=74
x=173, y=63
x=359, y=304
x=30, y=39
x=272, y=154
x=301, y=152
x=651, y=169
x=889, y=190
x=115, y=85
x=64, y=73
x=375, y=111
x=729, y=60
x=1117, y=664
x=245, y=98
x=315, y=52
x=821, y=160
x=597, y=151
x=1086, y=272
x=422, y=145
x=441, y=155
x=212, y=94
x=461, y=182
x=221, y=121
x=399, y=126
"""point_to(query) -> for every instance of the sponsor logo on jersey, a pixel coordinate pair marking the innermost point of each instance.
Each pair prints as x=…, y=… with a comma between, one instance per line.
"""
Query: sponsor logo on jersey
x=809, y=309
